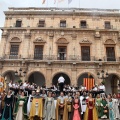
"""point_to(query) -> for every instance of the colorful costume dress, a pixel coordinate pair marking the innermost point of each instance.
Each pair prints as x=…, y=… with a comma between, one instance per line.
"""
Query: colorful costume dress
x=111, y=112
x=7, y=112
x=91, y=112
x=104, y=109
x=76, y=111
x=49, y=109
x=21, y=108
x=98, y=107
x=115, y=108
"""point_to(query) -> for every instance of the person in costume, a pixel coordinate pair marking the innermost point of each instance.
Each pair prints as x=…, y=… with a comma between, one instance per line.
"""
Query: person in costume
x=20, y=111
x=91, y=112
x=0, y=105
x=115, y=107
x=104, y=108
x=7, y=112
x=83, y=99
x=69, y=104
x=98, y=105
x=49, y=108
x=110, y=107
x=30, y=102
x=36, y=111
x=76, y=109
x=61, y=108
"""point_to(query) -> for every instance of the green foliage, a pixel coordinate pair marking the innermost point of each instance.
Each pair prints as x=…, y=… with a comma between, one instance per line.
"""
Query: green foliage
x=19, y=81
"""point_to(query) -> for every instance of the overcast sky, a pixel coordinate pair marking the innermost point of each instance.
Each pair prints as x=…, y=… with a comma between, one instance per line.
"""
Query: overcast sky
x=104, y=4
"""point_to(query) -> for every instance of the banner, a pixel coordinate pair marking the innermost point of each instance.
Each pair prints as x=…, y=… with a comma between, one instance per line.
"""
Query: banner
x=60, y=0
x=43, y=2
x=1, y=84
x=89, y=83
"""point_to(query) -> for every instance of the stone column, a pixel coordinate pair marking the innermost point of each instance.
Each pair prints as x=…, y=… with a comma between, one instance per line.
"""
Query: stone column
x=74, y=77
x=26, y=45
x=3, y=43
x=48, y=77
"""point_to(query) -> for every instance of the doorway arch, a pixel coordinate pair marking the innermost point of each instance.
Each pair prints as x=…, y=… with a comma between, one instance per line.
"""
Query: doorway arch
x=37, y=78
x=56, y=76
x=111, y=83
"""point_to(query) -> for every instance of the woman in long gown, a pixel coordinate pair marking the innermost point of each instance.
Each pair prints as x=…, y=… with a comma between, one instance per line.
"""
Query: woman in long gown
x=49, y=108
x=21, y=108
x=115, y=107
x=104, y=108
x=76, y=109
x=7, y=112
x=98, y=105
x=110, y=107
x=91, y=112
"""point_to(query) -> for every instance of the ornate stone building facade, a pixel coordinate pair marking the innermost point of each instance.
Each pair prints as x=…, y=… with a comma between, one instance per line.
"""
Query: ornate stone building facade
x=40, y=44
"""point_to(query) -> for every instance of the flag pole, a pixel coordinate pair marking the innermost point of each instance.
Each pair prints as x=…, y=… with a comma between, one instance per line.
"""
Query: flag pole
x=79, y=3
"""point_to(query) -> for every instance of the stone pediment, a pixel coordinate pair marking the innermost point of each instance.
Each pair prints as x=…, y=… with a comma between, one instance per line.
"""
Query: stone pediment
x=109, y=42
x=15, y=40
x=85, y=41
x=62, y=41
x=39, y=40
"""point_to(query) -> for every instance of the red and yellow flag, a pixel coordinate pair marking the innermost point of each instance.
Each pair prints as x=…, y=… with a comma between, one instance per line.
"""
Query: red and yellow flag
x=89, y=83
x=2, y=84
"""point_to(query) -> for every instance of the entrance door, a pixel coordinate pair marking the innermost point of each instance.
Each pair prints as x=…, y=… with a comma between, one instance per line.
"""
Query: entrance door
x=85, y=52
x=110, y=52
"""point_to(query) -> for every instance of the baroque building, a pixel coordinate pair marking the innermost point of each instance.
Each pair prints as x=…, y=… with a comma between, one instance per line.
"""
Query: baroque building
x=40, y=44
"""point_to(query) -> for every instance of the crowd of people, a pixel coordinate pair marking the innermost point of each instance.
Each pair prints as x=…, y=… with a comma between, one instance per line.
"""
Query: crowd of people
x=27, y=101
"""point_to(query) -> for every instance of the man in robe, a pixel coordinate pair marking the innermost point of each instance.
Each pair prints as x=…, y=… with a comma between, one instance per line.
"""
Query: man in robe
x=61, y=108
x=36, y=111
x=30, y=102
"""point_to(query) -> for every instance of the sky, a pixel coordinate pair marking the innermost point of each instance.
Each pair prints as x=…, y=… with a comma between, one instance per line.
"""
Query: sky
x=102, y=4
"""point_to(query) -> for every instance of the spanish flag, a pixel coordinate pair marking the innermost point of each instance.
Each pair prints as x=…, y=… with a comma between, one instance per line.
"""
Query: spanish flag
x=43, y=2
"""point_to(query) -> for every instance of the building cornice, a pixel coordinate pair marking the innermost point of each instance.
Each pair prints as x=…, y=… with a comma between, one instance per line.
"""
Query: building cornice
x=63, y=11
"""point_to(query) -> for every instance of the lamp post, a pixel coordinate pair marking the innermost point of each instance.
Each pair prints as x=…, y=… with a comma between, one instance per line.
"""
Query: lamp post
x=19, y=73
x=102, y=75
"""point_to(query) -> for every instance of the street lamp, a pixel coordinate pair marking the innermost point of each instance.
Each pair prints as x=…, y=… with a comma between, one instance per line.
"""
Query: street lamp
x=19, y=73
x=102, y=75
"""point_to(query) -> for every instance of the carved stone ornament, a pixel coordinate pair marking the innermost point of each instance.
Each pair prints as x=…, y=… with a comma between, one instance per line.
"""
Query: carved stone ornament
x=15, y=40
x=51, y=34
x=62, y=41
x=39, y=40
x=97, y=34
x=74, y=36
x=109, y=42
x=27, y=35
x=5, y=34
x=85, y=41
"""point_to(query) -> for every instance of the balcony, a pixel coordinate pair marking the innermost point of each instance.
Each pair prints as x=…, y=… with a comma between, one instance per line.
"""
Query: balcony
x=111, y=59
x=12, y=57
x=56, y=58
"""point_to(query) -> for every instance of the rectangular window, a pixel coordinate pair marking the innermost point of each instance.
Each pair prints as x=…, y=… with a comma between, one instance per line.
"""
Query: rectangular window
x=62, y=23
x=62, y=52
x=14, y=51
x=41, y=23
x=38, y=52
x=85, y=53
x=83, y=24
x=107, y=25
x=18, y=23
x=110, y=52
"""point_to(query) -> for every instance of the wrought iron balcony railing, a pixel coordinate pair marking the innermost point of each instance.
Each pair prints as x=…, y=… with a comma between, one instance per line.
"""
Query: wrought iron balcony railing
x=62, y=58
